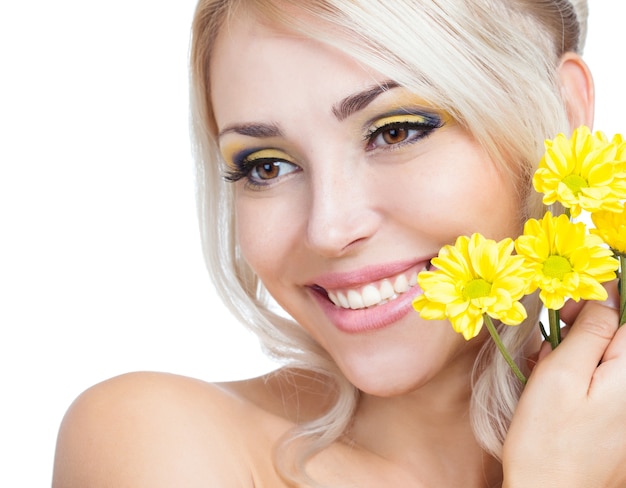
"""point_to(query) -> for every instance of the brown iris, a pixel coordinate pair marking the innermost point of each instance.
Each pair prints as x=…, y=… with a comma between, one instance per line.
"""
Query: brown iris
x=394, y=136
x=268, y=170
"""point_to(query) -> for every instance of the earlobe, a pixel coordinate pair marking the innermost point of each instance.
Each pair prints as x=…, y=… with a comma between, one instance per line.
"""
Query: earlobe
x=578, y=90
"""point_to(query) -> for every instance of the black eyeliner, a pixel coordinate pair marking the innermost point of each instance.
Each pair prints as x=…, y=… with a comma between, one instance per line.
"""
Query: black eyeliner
x=431, y=118
x=425, y=124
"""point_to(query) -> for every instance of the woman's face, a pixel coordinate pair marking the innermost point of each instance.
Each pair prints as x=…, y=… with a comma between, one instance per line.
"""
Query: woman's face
x=346, y=186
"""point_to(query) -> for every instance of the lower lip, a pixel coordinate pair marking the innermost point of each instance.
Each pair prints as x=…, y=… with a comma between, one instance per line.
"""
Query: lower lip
x=367, y=319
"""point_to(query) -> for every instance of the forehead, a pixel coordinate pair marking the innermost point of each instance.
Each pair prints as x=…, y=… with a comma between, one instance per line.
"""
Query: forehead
x=258, y=69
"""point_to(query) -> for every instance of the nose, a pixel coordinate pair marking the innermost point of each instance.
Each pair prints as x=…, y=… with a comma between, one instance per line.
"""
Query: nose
x=342, y=214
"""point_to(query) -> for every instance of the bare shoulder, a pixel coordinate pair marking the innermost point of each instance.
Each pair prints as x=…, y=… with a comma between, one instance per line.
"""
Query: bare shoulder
x=161, y=430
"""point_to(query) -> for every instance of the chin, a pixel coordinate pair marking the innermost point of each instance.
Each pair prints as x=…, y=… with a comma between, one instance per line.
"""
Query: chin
x=387, y=390
x=389, y=380
x=407, y=368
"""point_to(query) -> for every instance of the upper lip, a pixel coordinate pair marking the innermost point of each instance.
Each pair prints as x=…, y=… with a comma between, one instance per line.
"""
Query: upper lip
x=365, y=275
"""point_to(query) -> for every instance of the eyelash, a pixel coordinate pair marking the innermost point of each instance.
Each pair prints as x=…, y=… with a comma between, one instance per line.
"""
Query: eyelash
x=424, y=128
x=245, y=166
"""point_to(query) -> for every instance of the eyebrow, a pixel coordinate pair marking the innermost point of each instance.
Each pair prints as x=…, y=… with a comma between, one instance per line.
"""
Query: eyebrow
x=341, y=110
x=253, y=130
x=359, y=101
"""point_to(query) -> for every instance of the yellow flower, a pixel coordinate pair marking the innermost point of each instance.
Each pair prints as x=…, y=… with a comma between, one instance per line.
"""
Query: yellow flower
x=611, y=227
x=566, y=261
x=474, y=277
x=586, y=172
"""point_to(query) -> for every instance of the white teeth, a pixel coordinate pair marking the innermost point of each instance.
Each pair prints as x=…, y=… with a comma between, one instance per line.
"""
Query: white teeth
x=355, y=300
x=401, y=284
x=343, y=300
x=333, y=298
x=371, y=295
x=386, y=290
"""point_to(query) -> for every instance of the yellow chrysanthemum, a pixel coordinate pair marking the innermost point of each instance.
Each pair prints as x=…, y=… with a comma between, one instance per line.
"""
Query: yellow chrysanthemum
x=567, y=262
x=585, y=172
x=611, y=227
x=474, y=277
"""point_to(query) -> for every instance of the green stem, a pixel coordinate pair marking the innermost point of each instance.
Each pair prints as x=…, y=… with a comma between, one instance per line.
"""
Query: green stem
x=507, y=357
x=622, y=290
x=555, y=327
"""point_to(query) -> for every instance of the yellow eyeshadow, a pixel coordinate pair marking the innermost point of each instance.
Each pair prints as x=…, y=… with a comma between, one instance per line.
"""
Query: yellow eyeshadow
x=399, y=119
x=267, y=154
x=236, y=154
x=229, y=151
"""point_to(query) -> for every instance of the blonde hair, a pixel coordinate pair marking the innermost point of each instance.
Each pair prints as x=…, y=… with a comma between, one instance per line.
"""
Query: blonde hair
x=508, y=50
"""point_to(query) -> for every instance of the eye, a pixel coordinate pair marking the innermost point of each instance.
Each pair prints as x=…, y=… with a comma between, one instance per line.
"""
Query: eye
x=269, y=169
x=260, y=167
x=397, y=130
x=394, y=135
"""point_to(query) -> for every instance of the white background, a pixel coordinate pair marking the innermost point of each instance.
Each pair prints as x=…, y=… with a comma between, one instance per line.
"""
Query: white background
x=100, y=263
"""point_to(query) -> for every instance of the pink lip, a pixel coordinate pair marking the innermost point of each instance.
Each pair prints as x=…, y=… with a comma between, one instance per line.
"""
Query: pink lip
x=368, y=319
x=369, y=274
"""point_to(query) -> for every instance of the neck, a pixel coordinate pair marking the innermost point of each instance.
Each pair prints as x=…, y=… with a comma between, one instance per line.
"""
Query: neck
x=427, y=431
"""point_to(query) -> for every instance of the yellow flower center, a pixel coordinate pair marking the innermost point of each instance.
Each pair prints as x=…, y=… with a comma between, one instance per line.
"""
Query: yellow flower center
x=477, y=288
x=575, y=183
x=556, y=267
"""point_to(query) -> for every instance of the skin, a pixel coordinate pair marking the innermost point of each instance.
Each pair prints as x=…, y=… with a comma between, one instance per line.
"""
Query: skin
x=341, y=205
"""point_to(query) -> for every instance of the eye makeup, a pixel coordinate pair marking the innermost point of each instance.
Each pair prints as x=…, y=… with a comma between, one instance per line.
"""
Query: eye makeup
x=383, y=129
x=259, y=166
x=402, y=127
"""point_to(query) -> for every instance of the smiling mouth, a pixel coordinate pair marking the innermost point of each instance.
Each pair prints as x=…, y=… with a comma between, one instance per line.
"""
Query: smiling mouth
x=373, y=294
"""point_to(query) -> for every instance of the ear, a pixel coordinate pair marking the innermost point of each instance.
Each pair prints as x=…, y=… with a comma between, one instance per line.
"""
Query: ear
x=577, y=89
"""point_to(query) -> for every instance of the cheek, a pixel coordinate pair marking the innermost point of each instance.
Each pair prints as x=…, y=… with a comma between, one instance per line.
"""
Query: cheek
x=493, y=203
x=457, y=191
x=253, y=242
x=265, y=231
